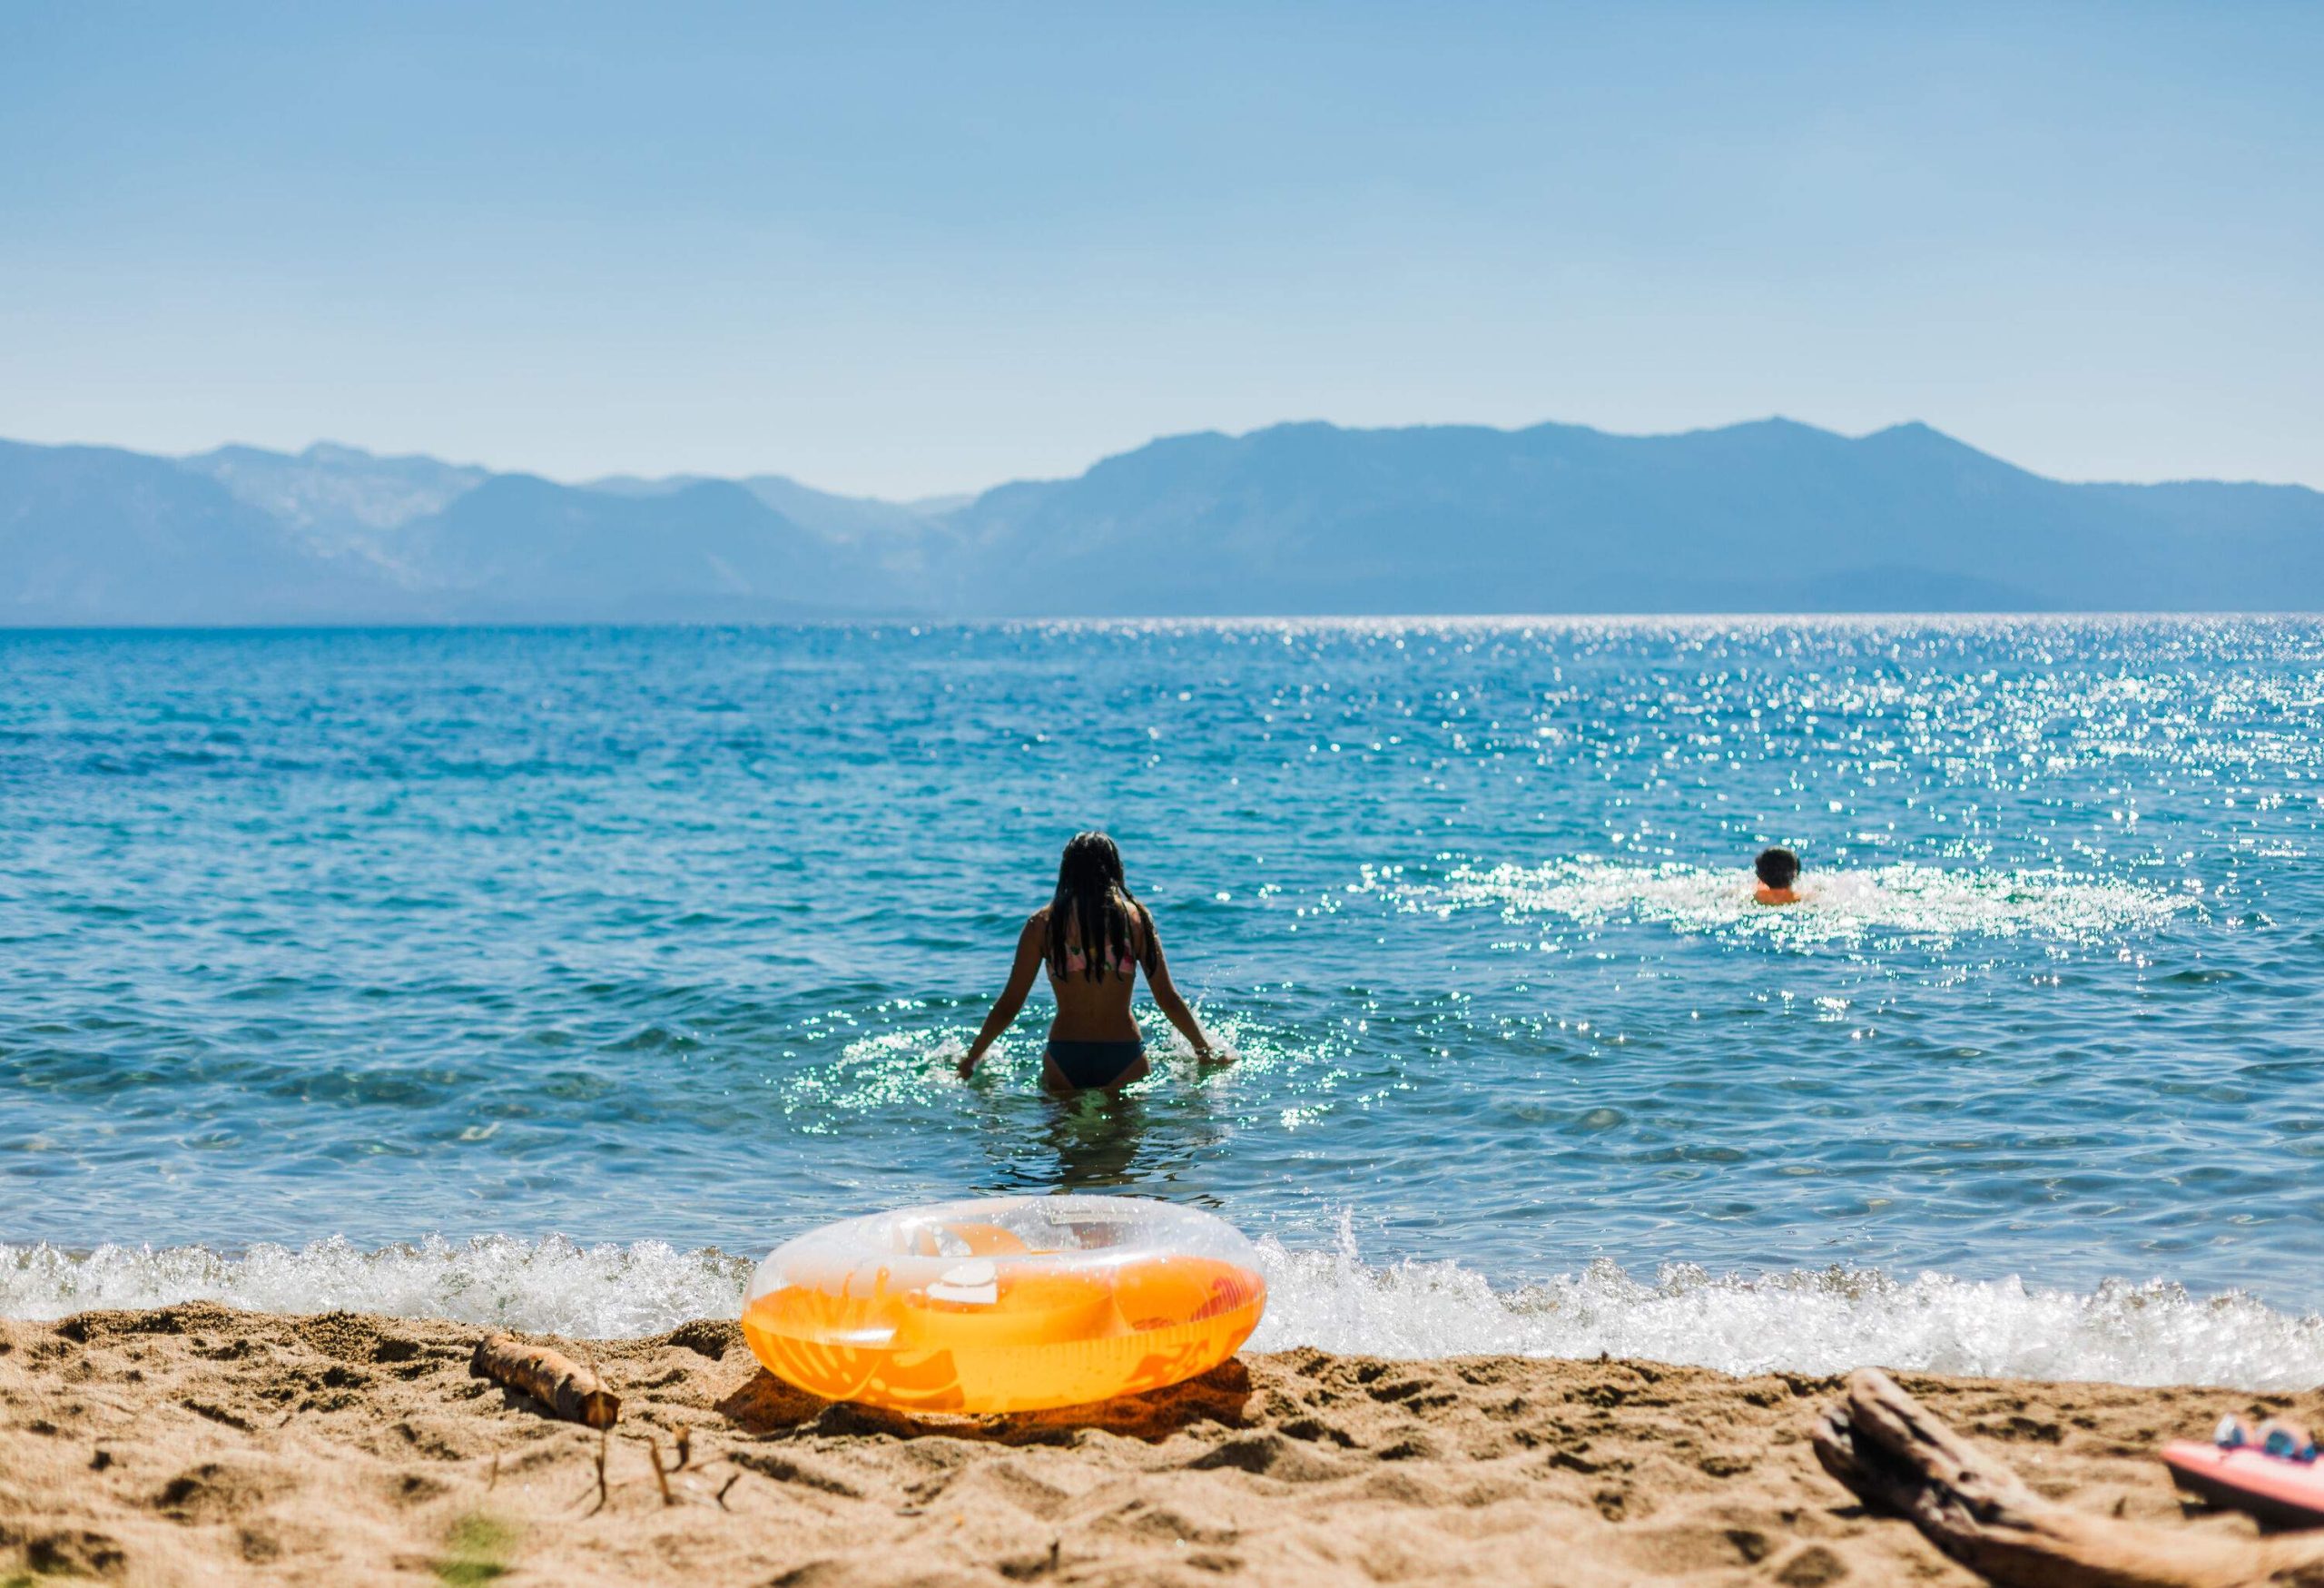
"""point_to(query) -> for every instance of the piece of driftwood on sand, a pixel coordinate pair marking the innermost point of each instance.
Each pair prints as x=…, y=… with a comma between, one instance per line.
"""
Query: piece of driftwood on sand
x=1897, y=1456
x=559, y=1383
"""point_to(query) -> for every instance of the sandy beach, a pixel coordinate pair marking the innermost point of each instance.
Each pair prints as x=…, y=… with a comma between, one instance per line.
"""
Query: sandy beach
x=196, y=1444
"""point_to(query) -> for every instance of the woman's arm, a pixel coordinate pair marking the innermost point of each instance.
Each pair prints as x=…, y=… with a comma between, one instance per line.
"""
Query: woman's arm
x=1165, y=995
x=1031, y=948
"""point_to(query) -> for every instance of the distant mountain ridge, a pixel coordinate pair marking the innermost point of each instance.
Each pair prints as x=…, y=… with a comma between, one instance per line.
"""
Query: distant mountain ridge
x=338, y=497
x=1294, y=519
x=1772, y=516
x=527, y=550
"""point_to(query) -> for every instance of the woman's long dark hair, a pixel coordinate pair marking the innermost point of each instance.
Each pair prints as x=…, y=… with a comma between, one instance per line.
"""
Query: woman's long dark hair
x=1097, y=905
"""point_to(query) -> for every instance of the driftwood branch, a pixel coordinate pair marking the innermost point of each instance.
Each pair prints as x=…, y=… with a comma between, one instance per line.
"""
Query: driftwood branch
x=562, y=1385
x=1896, y=1456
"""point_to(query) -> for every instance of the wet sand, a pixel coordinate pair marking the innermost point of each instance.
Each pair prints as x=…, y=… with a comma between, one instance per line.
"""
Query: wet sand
x=199, y=1444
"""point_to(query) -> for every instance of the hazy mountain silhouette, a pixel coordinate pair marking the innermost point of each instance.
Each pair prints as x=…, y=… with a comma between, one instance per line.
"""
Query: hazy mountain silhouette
x=339, y=499
x=519, y=547
x=835, y=518
x=894, y=542
x=1304, y=518
x=92, y=535
x=1767, y=517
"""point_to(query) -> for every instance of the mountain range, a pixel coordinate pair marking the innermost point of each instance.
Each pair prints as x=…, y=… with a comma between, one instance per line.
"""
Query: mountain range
x=1291, y=520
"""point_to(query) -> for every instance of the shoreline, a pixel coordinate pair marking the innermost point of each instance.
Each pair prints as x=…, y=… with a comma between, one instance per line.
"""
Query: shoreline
x=197, y=1443
x=2149, y=1332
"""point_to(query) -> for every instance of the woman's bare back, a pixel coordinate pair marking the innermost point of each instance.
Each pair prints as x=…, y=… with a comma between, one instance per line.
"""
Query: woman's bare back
x=1093, y=1010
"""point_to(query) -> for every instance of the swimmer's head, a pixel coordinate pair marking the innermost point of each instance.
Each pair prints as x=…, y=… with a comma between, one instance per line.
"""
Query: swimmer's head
x=1089, y=866
x=1778, y=868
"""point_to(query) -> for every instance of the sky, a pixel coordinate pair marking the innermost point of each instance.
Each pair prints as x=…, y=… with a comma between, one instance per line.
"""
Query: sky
x=906, y=250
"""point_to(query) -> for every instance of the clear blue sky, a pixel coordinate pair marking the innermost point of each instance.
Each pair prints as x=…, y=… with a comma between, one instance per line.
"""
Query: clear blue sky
x=912, y=250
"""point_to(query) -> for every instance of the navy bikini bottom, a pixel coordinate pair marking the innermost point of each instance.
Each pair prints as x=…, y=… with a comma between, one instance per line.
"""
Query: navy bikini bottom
x=1085, y=1065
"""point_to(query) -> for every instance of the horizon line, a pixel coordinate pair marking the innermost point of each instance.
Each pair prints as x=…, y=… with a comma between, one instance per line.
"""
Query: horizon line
x=916, y=622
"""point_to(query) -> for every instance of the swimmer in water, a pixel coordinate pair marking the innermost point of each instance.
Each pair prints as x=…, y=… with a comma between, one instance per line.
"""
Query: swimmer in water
x=1779, y=869
x=1093, y=938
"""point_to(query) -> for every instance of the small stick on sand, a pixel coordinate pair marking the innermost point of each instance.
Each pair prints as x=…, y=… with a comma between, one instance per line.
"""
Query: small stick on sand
x=661, y=1478
x=1887, y=1448
x=685, y=1447
x=570, y=1390
x=605, y=1448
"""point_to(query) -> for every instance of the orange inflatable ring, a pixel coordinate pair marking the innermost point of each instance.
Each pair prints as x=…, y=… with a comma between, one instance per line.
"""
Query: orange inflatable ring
x=1004, y=1305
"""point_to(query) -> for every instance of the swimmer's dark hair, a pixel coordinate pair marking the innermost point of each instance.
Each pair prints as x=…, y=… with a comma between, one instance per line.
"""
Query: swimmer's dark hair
x=1778, y=868
x=1107, y=921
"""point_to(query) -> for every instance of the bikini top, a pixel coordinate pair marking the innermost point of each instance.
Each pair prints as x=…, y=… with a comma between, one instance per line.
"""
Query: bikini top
x=1077, y=963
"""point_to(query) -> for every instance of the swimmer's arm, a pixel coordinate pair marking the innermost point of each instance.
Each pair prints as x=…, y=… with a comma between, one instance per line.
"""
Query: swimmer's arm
x=1030, y=950
x=1165, y=995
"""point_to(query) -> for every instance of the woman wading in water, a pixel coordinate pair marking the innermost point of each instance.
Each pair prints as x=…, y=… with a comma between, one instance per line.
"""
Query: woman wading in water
x=1093, y=937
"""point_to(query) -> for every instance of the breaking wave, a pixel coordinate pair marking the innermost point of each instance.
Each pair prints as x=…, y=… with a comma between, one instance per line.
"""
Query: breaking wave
x=1821, y=1321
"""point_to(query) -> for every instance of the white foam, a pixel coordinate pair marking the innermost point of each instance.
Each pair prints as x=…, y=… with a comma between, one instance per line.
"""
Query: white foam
x=1810, y=1322
x=553, y=1284
x=1899, y=900
x=1824, y=1321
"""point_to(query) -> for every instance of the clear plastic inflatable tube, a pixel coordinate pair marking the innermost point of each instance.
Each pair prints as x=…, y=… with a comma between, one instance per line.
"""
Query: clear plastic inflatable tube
x=1008, y=1304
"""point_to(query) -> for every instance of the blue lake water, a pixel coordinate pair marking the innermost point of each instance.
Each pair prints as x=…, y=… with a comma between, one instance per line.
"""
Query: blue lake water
x=347, y=967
